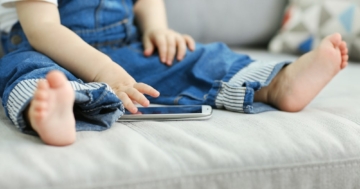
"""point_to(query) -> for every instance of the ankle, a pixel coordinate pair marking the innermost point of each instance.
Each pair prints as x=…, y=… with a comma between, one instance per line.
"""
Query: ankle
x=262, y=95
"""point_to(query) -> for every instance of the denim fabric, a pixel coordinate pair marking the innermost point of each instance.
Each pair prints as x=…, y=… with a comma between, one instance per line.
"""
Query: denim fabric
x=186, y=82
x=1, y=48
x=108, y=26
x=96, y=106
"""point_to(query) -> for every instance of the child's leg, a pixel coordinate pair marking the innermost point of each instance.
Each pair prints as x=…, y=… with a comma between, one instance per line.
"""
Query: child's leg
x=216, y=76
x=194, y=80
x=46, y=107
x=50, y=112
x=298, y=83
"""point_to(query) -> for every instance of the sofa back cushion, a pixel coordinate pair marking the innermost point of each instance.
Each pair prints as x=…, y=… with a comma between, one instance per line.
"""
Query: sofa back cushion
x=235, y=22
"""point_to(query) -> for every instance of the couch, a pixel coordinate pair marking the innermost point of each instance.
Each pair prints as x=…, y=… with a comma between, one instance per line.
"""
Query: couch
x=318, y=147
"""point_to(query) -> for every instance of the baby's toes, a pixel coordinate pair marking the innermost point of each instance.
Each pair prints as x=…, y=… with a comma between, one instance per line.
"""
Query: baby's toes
x=42, y=90
x=37, y=116
x=335, y=39
x=39, y=105
x=42, y=85
x=344, y=62
x=343, y=48
x=345, y=52
x=38, y=110
x=41, y=95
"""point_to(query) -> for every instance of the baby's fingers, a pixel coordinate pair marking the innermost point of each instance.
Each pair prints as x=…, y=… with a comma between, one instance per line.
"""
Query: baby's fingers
x=148, y=46
x=127, y=102
x=171, y=49
x=190, y=42
x=146, y=89
x=162, y=48
x=137, y=96
x=181, y=48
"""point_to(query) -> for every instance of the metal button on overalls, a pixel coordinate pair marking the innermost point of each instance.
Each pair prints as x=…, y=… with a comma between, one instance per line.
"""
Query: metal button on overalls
x=16, y=39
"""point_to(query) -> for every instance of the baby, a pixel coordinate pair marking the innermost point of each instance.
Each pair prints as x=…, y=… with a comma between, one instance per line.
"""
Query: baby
x=74, y=65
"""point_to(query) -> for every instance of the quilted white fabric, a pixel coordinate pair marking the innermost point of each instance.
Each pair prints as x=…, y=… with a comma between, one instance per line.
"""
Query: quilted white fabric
x=316, y=148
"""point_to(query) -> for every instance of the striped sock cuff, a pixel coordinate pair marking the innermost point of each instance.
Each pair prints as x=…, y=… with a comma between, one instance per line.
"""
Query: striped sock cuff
x=23, y=92
x=236, y=96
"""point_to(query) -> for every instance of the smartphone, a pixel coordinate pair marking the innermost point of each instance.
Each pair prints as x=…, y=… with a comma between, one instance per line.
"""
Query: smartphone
x=181, y=112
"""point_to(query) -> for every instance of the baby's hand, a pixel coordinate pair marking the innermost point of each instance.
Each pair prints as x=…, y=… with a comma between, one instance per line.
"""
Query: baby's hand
x=133, y=92
x=168, y=43
x=126, y=88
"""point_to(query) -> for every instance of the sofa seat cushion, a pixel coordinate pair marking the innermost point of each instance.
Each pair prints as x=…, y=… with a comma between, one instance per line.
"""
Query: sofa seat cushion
x=318, y=147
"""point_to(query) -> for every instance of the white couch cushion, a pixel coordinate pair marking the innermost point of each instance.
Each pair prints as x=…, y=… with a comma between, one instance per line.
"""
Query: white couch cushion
x=318, y=147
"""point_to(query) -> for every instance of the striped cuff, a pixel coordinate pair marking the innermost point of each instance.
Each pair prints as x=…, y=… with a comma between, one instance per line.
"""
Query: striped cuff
x=238, y=94
x=22, y=93
x=18, y=99
x=231, y=98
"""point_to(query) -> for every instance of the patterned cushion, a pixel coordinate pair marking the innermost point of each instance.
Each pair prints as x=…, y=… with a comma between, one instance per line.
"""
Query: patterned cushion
x=306, y=22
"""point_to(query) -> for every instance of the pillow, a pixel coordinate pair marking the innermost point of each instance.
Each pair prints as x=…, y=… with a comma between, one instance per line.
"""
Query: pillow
x=306, y=22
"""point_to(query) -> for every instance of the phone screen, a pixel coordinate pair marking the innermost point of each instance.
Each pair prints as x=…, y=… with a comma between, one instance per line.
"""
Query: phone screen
x=168, y=110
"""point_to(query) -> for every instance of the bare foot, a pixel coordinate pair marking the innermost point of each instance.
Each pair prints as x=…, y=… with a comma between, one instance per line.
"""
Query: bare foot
x=297, y=84
x=51, y=110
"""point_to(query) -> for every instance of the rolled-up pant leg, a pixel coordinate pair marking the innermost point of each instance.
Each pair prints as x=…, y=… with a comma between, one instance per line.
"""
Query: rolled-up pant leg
x=212, y=74
x=96, y=106
x=237, y=94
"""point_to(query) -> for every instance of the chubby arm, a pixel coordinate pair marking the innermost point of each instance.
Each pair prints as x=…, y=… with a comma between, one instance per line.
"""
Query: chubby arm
x=151, y=17
x=42, y=26
x=150, y=14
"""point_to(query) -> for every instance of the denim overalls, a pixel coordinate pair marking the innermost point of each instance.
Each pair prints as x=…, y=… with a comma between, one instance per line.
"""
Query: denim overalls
x=212, y=74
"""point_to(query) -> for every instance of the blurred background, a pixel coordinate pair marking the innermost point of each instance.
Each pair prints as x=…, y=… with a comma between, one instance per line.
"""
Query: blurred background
x=235, y=22
x=281, y=26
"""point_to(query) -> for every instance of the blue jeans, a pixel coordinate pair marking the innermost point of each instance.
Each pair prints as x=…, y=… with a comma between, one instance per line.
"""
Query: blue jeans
x=211, y=75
